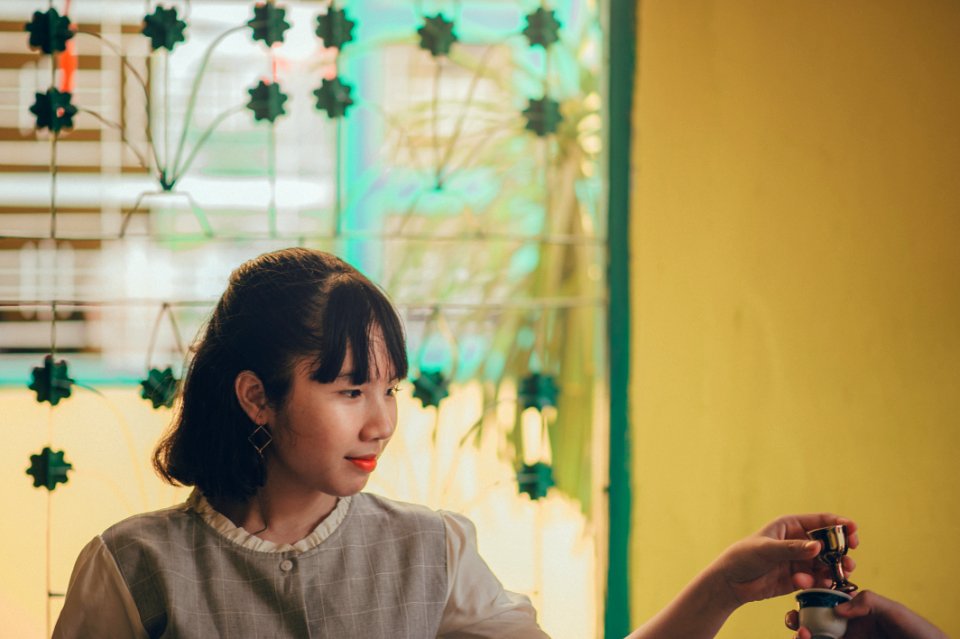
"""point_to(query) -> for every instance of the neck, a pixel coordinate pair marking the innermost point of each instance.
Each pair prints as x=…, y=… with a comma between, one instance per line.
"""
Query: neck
x=283, y=516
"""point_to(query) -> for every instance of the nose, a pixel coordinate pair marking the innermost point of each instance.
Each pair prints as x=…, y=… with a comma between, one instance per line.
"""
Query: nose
x=381, y=420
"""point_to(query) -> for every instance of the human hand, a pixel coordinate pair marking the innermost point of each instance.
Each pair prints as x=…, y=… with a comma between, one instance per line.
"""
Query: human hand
x=874, y=617
x=779, y=558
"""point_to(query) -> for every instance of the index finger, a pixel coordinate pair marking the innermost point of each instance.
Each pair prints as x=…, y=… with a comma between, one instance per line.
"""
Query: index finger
x=798, y=525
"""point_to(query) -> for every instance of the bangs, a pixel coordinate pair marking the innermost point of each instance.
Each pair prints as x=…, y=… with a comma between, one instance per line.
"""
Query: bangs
x=356, y=310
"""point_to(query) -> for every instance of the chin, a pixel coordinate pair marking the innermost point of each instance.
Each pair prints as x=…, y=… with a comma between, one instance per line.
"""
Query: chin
x=348, y=491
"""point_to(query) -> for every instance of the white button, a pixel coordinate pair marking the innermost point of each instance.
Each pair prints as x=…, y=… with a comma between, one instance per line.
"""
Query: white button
x=286, y=565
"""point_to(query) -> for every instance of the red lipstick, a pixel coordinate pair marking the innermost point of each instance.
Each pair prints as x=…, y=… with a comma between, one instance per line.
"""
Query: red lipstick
x=366, y=464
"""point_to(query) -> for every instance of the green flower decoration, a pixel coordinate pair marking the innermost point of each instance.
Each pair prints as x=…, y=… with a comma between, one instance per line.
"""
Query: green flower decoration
x=335, y=29
x=160, y=387
x=333, y=97
x=49, y=31
x=266, y=101
x=538, y=391
x=543, y=116
x=268, y=23
x=542, y=28
x=535, y=480
x=164, y=28
x=48, y=469
x=53, y=110
x=437, y=36
x=51, y=381
x=431, y=387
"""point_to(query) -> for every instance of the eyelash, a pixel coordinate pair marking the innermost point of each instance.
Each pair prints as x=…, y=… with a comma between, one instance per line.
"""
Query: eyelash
x=353, y=393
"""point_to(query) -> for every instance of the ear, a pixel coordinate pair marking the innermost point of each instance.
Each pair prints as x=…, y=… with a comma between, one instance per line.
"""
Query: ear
x=252, y=397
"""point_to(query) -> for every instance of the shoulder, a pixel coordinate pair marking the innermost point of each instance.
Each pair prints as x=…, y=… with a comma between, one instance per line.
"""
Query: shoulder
x=158, y=524
x=372, y=502
x=369, y=504
x=378, y=510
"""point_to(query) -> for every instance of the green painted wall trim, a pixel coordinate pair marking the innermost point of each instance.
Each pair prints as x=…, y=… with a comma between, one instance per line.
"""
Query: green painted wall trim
x=621, y=43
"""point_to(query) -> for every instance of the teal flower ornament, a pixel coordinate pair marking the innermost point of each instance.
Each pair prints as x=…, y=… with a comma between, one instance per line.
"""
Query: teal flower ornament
x=268, y=23
x=436, y=35
x=431, y=388
x=538, y=391
x=543, y=116
x=333, y=96
x=334, y=28
x=266, y=101
x=542, y=28
x=49, y=31
x=50, y=381
x=48, y=469
x=535, y=479
x=54, y=110
x=160, y=387
x=164, y=28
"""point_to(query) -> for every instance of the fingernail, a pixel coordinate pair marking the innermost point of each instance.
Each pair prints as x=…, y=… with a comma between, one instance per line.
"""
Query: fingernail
x=811, y=545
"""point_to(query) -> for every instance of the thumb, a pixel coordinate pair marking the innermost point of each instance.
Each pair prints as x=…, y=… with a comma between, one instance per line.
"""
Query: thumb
x=858, y=607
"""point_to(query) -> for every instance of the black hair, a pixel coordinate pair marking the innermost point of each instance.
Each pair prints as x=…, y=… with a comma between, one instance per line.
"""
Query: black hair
x=277, y=310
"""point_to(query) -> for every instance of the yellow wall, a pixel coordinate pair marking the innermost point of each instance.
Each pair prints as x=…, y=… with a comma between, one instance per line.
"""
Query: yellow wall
x=796, y=274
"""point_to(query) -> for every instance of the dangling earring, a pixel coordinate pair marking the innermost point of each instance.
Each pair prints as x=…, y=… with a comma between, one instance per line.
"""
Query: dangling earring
x=260, y=438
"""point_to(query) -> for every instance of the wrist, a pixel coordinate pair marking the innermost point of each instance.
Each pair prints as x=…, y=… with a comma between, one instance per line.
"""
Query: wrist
x=722, y=597
x=697, y=612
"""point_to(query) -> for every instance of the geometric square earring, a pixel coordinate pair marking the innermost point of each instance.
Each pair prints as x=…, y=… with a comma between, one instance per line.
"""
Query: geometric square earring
x=260, y=438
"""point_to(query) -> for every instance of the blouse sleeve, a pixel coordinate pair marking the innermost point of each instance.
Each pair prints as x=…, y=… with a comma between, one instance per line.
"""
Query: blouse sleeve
x=478, y=607
x=98, y=603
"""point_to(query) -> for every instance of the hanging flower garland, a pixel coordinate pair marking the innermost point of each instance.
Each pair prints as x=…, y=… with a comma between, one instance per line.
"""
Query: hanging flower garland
x=535, y=479
x=333, y=96
x=164, y=28
x=542, y=28
x=538, y=391
x=160, y=387
x=542, y=115
x=48, y=468
x=431, y=387
x=335, y=30
x=266, y=101
x=49, y=31
x=268, y=23
x=437, y=36
x=54, y=110
x=51, y=382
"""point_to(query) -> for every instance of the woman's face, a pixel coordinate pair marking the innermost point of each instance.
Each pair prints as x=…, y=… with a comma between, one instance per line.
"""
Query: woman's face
x=327, y=437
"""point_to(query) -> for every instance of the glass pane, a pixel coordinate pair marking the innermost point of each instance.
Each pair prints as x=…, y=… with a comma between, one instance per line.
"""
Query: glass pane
x=468, y=183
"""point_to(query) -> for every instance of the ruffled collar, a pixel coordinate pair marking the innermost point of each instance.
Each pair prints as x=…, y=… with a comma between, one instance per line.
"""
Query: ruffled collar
x=226, y=528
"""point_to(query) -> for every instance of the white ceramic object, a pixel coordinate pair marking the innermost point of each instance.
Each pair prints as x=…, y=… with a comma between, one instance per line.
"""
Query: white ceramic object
x=817, y=614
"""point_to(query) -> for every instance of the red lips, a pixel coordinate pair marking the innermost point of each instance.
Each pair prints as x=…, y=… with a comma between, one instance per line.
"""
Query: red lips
x=366, y=464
